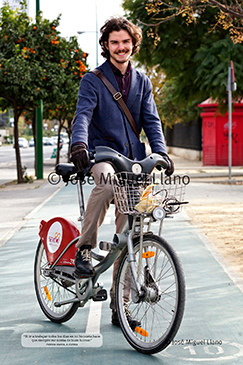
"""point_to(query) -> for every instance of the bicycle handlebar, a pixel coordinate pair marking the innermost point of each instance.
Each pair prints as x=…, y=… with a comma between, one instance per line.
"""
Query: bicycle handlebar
x=122, y=163
x=119, y=162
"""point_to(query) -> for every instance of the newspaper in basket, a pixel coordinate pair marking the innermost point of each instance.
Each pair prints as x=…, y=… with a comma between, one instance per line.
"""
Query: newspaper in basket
x=137, y=194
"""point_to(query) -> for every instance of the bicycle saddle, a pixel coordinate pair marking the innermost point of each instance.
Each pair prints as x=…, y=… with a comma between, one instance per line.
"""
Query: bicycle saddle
x=122, y=163
x=66, y=169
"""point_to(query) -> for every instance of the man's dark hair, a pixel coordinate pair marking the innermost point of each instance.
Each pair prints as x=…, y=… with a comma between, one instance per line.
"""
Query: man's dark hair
x=117, y=24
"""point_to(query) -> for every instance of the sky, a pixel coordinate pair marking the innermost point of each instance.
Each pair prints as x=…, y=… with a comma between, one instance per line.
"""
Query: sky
x=79, y=15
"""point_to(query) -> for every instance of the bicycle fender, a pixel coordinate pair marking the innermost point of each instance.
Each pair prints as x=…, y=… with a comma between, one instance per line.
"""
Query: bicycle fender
x=56, y=234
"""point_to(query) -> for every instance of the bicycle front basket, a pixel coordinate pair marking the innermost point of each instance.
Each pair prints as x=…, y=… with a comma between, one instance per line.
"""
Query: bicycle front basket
x=139, y=194
x=128, y=189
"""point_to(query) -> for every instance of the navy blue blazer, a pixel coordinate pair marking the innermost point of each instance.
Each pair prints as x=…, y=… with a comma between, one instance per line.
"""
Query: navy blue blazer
x=99, y=120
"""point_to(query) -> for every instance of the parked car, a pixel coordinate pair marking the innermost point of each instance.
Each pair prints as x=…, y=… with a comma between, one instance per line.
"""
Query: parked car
x=22, y=142
x=31, y=142
x=65, y=140
x=55, y=140
x=0, y=143
x=47, y=141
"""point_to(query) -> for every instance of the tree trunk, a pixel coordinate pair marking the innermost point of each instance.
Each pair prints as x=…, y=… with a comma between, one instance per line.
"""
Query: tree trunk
x=69, y=132
x=58, y=142
x=20, y=178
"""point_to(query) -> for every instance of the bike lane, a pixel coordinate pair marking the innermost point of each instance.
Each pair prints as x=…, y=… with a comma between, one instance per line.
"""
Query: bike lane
x=211, y=330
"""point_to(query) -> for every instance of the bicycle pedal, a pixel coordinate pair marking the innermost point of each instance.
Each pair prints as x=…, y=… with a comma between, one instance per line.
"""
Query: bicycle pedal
x=106, y=246
x=100, y=296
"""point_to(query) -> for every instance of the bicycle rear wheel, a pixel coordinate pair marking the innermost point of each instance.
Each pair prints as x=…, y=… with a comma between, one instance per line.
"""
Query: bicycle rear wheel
x=159, y=310
x=50, y=290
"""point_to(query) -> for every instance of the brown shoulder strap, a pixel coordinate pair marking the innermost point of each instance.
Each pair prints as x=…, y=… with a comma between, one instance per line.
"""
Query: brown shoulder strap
x=117, y=97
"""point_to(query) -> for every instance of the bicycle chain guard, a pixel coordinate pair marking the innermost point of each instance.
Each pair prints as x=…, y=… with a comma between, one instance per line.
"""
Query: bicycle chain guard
x=83, y=288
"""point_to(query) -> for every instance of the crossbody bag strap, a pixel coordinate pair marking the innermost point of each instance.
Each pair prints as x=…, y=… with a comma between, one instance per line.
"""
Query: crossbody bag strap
x=118, y=98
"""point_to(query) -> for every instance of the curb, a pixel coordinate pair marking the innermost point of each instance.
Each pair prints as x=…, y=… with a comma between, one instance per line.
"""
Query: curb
x=18, y=226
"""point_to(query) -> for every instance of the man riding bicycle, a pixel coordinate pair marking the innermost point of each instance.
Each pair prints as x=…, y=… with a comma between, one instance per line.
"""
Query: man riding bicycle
x=100, y=121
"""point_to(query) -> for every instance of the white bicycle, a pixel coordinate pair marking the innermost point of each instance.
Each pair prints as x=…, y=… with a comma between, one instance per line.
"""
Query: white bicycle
x=149, y=283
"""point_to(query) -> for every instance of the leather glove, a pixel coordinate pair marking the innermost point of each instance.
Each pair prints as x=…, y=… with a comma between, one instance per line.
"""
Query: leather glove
x=170, y=169
x=80, y=157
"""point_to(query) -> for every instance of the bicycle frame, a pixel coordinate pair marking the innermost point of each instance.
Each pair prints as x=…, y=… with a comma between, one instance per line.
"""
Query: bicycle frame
x=86, y=288
x=121, y=240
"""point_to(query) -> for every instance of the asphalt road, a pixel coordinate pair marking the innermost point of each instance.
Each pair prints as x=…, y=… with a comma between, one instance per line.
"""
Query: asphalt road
x=8, y=160
x=211, y=330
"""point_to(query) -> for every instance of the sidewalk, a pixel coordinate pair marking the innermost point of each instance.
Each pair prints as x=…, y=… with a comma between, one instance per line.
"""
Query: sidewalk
x=20, y=201
x=200, y=173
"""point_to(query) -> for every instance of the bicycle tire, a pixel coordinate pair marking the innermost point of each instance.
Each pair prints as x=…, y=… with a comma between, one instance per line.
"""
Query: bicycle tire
x=48, y=291
x=159, y=316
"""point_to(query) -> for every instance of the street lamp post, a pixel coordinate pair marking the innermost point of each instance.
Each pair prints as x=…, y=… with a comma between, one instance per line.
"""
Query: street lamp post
x=39, y=129
x=231, y=86
x=96, y=27
x=94, y=31
x=82, y=32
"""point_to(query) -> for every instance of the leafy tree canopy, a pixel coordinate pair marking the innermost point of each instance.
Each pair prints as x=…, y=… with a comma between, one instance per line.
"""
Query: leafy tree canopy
x=193, y=56
x=36, y=63
x=229, y=13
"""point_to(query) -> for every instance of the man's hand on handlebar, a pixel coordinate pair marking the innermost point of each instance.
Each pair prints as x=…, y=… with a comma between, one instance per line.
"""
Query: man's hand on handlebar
x=80, y=157
x=170, y=168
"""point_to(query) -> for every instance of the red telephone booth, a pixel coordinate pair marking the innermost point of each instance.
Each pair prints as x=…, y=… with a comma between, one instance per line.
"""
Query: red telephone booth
x=215, y=135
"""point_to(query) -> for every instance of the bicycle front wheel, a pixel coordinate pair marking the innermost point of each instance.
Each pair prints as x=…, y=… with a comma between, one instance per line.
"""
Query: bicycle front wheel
x=50, y=290
x=159, y=310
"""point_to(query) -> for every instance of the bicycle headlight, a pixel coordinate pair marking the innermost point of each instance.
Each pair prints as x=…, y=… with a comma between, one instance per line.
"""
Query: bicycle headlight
x=158, y=213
